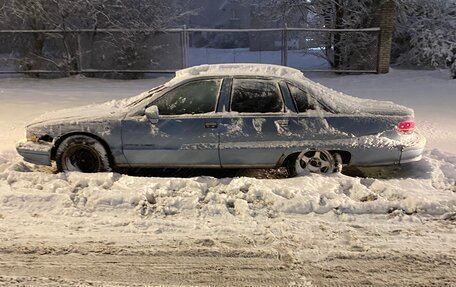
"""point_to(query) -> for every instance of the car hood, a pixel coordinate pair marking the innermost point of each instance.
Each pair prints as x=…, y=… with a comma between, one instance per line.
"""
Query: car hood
x=99, y=112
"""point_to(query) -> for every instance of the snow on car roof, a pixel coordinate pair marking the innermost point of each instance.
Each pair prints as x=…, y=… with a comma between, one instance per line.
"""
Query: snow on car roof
x=237, y=70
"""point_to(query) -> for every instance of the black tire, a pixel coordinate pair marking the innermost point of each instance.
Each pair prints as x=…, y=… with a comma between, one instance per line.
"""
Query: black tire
x=82, y=154
x=317, y=161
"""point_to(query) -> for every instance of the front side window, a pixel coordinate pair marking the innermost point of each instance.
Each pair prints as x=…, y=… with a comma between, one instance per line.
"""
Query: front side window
x=192, y=98
x=256, y=96
x=304, y=102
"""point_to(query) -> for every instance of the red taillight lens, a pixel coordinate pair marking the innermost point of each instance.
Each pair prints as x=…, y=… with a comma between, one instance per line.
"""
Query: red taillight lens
x=406, y=127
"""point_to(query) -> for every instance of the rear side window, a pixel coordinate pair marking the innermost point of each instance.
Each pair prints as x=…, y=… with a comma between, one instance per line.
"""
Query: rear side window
x=192, y=98
x=304, y=102
x=256, y=96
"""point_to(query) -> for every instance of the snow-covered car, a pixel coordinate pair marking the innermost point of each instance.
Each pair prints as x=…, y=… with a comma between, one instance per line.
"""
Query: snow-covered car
x=228, y=116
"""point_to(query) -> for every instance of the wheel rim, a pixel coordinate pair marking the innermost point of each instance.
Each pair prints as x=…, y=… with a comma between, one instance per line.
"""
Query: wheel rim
x=315, y=162
x=82, y=159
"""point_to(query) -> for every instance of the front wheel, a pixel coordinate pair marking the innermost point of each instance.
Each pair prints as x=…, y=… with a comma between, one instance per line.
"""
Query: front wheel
x=82, y=154
x=314, y=161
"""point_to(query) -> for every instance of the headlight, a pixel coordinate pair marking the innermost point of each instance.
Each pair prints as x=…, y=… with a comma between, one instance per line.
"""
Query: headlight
x=31, y=136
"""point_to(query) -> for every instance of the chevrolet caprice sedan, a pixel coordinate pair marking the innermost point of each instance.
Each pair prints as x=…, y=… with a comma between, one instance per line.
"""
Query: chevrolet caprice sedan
x=228, y=116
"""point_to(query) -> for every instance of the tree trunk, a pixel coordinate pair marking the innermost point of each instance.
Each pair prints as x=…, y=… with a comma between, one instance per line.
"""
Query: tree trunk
x=34, y=56
x=338, y=59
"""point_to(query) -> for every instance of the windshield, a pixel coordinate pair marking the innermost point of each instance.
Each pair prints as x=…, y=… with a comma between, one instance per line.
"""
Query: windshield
x=144, y=96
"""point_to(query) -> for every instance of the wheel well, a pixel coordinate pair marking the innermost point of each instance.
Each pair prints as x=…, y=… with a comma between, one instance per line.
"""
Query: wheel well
x=346, y=156
x=100, y=140
x=287, y=159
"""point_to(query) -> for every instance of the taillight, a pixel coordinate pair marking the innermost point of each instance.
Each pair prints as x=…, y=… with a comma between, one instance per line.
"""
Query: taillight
x=406, y=127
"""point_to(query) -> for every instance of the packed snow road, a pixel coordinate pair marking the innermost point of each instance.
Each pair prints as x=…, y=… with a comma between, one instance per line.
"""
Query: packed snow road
x=390, y=226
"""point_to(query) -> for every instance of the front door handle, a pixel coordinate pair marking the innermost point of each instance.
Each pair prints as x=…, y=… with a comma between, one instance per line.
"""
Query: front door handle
x=211, y=125
x=282, y=123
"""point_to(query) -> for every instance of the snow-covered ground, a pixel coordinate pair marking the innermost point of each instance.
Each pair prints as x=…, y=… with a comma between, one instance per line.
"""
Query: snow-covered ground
x=394, y=227
x=297, y=58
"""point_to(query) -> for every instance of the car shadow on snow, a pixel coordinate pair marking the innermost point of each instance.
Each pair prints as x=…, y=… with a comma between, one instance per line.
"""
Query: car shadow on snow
x=418, y=170
x=217, y=173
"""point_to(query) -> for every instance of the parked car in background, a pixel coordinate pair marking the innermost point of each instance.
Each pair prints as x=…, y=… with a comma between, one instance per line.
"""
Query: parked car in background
x=228, y=116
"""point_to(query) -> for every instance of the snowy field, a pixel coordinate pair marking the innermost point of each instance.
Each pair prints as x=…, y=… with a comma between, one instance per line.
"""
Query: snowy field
x=391, y=227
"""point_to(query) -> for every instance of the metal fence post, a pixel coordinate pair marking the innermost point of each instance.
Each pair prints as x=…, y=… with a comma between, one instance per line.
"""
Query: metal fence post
x=285, y=45
x=187, y=45
x=79, y=53
x=282, y=49
x=184, y=43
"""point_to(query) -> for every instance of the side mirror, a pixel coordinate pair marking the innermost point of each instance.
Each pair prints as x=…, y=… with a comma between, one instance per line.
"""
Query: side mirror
x=152, y=114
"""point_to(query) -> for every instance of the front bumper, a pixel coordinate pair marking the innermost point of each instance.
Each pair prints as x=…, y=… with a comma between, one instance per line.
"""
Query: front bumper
x=36, y=153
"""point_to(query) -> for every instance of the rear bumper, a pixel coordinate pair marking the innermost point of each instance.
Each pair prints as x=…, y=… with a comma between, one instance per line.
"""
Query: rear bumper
x=414, y=150
x=36, y=153
x=408, y=149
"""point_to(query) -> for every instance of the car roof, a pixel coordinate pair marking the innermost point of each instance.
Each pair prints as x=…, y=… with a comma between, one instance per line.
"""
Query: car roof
x=237, y=70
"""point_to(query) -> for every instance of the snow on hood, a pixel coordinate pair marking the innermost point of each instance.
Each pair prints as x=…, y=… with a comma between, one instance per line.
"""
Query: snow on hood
x=346, y=104
x=95, y=111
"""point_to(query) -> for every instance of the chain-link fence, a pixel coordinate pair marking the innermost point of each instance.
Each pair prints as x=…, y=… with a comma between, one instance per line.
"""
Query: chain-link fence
x=147, y=51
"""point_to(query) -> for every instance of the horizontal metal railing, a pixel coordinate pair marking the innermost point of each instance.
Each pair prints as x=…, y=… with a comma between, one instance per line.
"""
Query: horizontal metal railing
x=184, y=45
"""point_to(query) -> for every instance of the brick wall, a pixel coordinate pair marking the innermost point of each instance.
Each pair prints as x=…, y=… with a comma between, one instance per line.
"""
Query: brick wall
x=385, y=18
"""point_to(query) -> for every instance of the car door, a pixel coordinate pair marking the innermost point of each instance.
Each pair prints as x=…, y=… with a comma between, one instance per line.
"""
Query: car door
x=255, y=131
x=186, y=132
x=314, y=126
x=309, y=126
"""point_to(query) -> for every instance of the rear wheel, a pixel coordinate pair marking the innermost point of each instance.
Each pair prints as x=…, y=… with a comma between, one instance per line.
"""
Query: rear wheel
x=83, y=154
x=314, y=161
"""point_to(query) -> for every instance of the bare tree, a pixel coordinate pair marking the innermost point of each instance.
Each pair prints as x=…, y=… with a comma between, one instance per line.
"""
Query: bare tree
x=61, y=50
x=348, y=50
x=424, y=33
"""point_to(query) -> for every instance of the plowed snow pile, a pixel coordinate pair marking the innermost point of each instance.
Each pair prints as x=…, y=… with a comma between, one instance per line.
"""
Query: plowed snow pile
x=426, y=188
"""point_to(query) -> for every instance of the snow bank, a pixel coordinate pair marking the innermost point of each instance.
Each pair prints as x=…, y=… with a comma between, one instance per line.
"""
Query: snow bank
x=112, y=199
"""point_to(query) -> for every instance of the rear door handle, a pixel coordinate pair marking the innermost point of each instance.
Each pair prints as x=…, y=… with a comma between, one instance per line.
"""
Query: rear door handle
x=211, y=125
